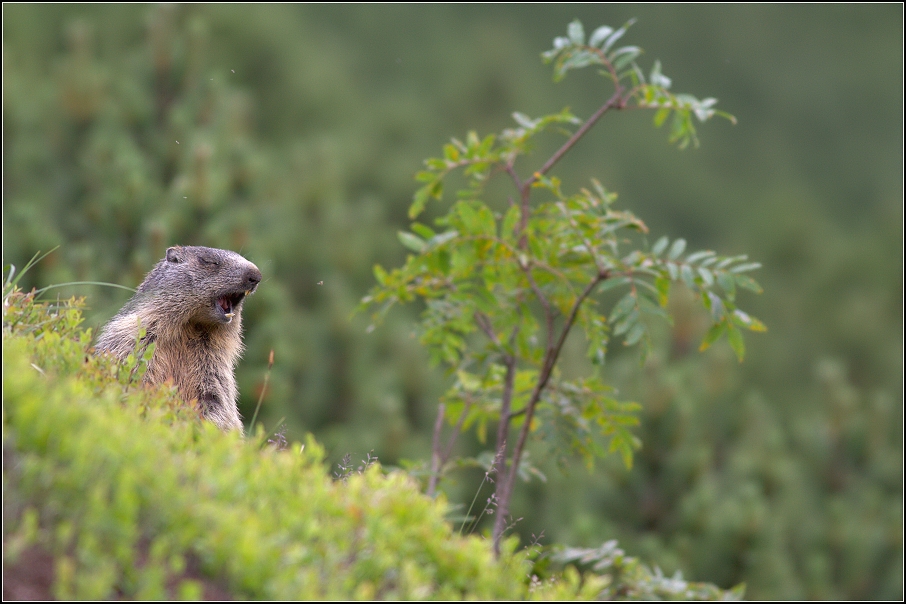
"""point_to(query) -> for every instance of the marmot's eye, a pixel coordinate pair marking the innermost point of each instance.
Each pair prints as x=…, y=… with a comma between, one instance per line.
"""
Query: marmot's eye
x=208, y=261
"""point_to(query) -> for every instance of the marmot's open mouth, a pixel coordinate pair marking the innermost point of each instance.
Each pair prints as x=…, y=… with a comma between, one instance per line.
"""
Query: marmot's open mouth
x=228, y=303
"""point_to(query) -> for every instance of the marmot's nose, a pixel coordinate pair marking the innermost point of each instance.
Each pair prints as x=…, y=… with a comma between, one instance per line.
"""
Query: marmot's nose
x=252, y=278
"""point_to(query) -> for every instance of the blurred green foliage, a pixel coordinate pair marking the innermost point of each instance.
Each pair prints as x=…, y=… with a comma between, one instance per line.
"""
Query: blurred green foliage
x=299, y=129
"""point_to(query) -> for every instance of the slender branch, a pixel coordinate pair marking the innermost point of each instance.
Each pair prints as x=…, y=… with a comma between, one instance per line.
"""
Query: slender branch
x=525, y=193
x=484, y=323
x=601, y=276
x=512, y=172
x=545, y=303
x=503, y=426
x=267, y=377
x=506, y=488
x=506, y=402
x=456, y=430
x=438, y=459
x=615, y=102
x=609, y=65
x=435, y=452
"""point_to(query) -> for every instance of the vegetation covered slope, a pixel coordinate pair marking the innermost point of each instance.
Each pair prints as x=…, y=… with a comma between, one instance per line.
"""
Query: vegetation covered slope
x=129, y=492
x=114, y=490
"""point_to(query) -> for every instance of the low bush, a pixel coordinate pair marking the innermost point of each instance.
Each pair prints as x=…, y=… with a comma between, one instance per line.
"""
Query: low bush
x=126, y=494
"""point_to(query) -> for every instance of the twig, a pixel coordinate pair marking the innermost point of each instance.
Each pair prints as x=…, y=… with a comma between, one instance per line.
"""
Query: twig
x=506, y=486
x=438, y=459
x=615, y=102
x=267, y=377
x=435, y=449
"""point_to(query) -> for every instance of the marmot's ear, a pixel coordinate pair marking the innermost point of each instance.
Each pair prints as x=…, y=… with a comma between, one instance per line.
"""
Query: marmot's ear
x=173, y=254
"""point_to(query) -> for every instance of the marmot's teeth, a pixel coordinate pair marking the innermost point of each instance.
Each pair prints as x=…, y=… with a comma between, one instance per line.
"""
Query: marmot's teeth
x=248, y=292
x=229, y=315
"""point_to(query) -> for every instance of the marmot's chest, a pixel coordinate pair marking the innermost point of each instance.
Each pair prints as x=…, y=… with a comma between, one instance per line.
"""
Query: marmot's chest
x=216, y=341
x=198, y=358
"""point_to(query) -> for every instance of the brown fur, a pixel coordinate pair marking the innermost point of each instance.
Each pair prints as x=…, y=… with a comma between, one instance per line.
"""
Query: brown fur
x=184, y=304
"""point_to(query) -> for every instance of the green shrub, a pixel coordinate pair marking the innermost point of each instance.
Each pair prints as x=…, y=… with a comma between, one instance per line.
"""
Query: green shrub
x=133, y=496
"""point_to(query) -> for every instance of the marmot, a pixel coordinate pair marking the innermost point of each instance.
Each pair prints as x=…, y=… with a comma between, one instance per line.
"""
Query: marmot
x=190, y=305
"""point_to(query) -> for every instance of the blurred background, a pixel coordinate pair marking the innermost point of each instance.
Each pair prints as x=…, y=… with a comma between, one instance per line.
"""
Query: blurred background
x=291, y=134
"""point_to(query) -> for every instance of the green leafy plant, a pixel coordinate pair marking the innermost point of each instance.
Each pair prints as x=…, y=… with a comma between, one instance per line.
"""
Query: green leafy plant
x=628, y=578
x=505, y=285
x=124, y=492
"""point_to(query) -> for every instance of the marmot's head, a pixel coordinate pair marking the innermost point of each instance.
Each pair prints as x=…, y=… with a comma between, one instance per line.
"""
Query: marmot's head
x=219, y=281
